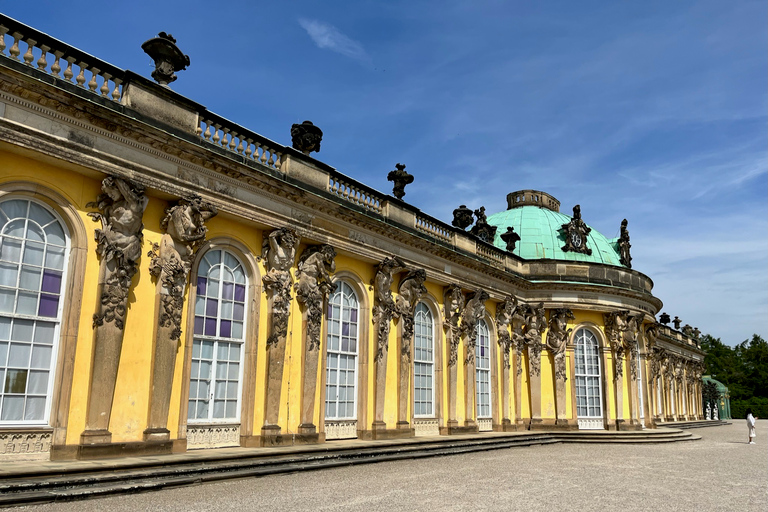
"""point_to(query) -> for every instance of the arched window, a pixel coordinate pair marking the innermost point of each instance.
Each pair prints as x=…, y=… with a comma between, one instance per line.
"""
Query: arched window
x=216, y=374
x=342, y=350
x=589, y=392
x=423, y=362
x=483, y=370
x=33, y=254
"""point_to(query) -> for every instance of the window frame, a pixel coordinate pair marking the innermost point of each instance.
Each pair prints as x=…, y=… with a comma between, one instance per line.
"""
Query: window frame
x=482, y=324
x=57, y=320
x=328, y=333
x=217, y=339
x=432, y=363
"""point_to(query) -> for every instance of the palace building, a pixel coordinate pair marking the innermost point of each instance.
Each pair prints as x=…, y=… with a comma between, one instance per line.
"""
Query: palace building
x=171, y=280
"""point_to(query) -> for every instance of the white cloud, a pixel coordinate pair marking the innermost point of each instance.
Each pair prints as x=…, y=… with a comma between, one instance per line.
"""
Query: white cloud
x=327, y=36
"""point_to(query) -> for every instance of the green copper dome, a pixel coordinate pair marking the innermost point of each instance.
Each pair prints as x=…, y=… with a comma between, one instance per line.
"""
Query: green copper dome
x=535, y=217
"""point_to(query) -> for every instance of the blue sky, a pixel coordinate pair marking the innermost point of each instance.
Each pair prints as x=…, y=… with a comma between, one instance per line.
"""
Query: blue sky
x=653, y=111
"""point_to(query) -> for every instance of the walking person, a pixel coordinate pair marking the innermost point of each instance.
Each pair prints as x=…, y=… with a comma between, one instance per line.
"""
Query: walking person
x=751, y=424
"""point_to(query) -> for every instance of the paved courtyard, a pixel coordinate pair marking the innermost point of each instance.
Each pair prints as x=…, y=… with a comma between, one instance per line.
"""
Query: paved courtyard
x=719, y=472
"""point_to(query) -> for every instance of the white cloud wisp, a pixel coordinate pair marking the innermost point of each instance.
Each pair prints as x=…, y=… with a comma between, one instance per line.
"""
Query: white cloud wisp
x=328, y=37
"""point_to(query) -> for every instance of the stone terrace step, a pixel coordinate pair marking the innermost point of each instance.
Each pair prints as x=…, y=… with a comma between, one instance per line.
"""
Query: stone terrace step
x=693, y=424
x=74, y=480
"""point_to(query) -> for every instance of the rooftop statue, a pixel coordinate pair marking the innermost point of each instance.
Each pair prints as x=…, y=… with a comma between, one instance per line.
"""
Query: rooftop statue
x=624, y=245
x=306, y=137
x=462, y=217
x=167, y=56
x=482, y=229
x=510, y=238
x=575, y=233
x=401, y=178
x=664, y=319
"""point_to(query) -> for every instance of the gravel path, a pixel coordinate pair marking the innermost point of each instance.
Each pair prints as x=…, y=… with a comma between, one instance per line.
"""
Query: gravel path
x=719, y=472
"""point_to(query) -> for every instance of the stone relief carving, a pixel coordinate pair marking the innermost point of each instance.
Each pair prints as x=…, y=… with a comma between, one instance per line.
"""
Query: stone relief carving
x=535, y=322
x=185, y=230
x=510, y=238
x=472, y=313
x=624, y=245
x=400, y=178
x=410, y=292
x=482, y=229
x=279, y=251
x=615, y=326
x=383, y=304
x=121, y=207
x=453, y=305
x=306, y=137
x=504, y=314
x=313, y=285
x=557, y=338
x=575, y=233
x=462, y=217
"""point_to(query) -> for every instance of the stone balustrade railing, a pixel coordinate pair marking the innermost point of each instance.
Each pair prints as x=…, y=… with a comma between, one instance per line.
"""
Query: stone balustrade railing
x=237, y=139
x=58, y=59
x=355, y=193
x=671, y=333
x=491, y=253
x=433, y=228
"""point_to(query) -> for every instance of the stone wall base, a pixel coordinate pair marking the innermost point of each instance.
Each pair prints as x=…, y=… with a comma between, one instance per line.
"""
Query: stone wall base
x=112, y=450
x=393, y=433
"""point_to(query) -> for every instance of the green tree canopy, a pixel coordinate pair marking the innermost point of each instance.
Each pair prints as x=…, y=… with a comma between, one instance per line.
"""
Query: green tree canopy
x=743, y=368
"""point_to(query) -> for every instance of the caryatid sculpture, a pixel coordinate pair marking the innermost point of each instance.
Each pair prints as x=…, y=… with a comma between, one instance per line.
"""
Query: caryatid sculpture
x=615, y=326
x=518, y=338
x=453, y=305
x=185, y=230
x=472, y=313
x=410, y=291
x=121, y=206
x=504, y=313
x=470, y=316
x=383, y=303
x=557, y=338
x=384, y=310
x=631, y=335
x=279, y=252
x=118, y=242
x=313, y=285
x=535, y=323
